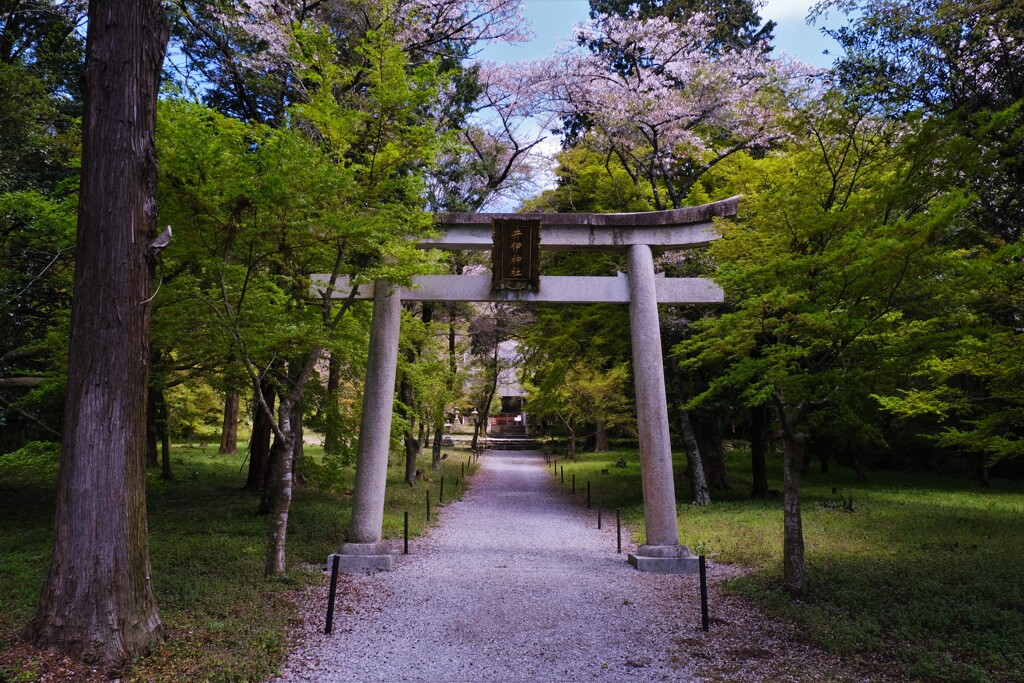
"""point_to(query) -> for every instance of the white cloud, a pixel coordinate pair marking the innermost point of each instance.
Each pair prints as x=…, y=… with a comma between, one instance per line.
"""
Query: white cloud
x=788, y=10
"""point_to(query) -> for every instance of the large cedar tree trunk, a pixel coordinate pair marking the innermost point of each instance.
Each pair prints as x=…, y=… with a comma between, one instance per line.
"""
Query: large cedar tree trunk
x=97, y=602
x=229, y=429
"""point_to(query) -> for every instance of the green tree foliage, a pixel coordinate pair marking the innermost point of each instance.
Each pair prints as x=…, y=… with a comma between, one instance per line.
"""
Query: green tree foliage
x=41, y=55
x=957, y=66
x=581, y=394
x=827, y=276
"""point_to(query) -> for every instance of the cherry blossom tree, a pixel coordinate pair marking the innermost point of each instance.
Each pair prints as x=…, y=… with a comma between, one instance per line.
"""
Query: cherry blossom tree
x=654, y=96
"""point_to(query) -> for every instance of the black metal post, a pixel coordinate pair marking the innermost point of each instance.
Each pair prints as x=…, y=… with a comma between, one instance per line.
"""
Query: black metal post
x=574, y=483
x=562, y=470
x=463, y=470
x=618, y=530
x=428, y=505
x=588, y=494
x=598, y=516
x=703, y=594
x=440, y=497
x=405, y=547
x=332, y=594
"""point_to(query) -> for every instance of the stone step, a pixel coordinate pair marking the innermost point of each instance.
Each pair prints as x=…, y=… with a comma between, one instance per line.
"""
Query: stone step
x=498, y=444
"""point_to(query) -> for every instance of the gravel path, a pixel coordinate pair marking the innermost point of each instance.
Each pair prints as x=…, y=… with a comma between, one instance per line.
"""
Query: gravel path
x=516, y=583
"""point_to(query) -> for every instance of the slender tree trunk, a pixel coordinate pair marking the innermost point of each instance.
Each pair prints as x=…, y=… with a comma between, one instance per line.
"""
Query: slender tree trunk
x=412, y=448
x=332, y=407
x=695, y=464
x=600, y=436
x=794, y=573
x=851, y=454
x=476, y=435
x=229, y=429
x=794, y=443
x=758, y=444
x=709, y=432
x=694, y=461
x=273, y=474
x=983, y=466
x=259, y=442
x=570, y=449
x=152, y=454
x=165, y=436
x=287, y=431
x=280, y=499
x=298, y=447
x=435, y=451
x=97, y=602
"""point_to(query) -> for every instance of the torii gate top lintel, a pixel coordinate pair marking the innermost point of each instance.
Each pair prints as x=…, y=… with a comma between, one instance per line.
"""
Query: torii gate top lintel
x=686, y=227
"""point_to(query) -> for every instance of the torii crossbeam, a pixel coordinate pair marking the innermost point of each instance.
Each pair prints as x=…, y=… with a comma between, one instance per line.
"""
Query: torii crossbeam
x=639, y=235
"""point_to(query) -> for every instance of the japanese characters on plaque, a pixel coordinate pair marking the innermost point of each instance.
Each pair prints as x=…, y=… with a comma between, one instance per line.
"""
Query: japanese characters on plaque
x=516, y=254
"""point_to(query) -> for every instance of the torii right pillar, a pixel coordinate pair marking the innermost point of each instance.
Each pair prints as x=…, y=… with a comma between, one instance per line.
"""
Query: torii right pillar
x=661, y=552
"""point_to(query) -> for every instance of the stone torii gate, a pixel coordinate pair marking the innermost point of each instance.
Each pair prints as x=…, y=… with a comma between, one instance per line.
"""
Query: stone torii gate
x=638, y=234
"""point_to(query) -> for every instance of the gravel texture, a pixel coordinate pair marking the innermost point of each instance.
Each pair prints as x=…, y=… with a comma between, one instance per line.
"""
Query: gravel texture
x=516, y=583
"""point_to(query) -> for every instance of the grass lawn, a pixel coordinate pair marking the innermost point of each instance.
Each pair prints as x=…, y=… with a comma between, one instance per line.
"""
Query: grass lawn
x=223, y=621
x=925, y=570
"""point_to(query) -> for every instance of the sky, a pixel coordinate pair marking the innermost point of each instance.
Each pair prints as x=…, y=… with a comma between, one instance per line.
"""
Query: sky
x=552, y=22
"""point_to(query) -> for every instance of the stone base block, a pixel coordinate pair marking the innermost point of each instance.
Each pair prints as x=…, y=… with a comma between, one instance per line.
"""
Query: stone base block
x=364, y=557
x=665, y=559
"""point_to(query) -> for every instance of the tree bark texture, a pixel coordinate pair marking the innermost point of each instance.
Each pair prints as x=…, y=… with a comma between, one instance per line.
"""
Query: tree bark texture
x=280, y=499
x=229, y=429
x=288, y=433
x=97, y=603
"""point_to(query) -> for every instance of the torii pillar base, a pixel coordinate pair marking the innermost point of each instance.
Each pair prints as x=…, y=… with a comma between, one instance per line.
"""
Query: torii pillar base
x=356, y=558
x=665, y=559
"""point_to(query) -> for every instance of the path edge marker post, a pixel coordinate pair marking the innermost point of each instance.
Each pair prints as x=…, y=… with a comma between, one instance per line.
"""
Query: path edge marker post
x=332, y=594
x=703, y=594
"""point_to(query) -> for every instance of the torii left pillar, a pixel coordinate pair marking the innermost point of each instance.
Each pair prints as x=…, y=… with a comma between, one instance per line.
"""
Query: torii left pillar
x=365, y=550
